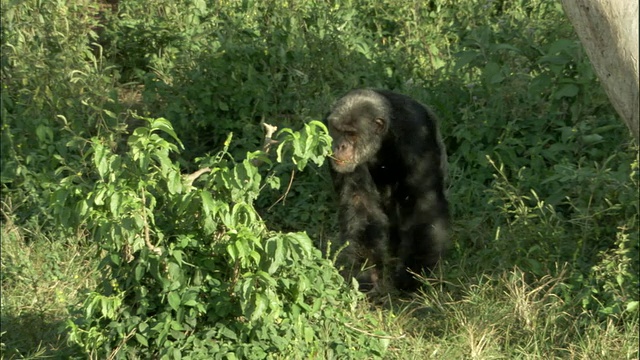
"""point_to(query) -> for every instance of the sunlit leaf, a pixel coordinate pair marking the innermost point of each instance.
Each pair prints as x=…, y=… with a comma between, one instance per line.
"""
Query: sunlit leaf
x=174, y=300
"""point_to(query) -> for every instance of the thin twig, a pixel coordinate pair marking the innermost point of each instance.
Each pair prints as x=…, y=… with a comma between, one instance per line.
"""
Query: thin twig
x=115, y=352
x=283, y=197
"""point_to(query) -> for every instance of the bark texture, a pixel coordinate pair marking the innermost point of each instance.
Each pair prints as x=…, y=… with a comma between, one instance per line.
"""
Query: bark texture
x=608, y=30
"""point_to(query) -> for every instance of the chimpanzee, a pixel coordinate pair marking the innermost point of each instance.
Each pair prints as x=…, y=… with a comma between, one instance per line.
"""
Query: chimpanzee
x=389, y=168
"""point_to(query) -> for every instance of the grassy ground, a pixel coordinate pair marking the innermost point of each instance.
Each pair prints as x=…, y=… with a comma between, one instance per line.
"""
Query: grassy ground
x=43, y=280
x=501, y=315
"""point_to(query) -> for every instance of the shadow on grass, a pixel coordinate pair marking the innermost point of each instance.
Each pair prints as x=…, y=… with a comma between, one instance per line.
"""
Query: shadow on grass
x=35, y=335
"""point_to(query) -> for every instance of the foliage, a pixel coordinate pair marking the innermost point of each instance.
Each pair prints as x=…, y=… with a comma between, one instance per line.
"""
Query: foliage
x=605, y=279
x=190, y=270
x=52, y=82
x=544, y=175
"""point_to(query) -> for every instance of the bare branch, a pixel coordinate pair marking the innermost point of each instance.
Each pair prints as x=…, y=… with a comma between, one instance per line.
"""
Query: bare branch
x=147, y=236
x=192, y=177
x=284, y=196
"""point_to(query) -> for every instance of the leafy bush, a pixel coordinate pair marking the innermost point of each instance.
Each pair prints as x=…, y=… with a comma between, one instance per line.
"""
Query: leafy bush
x=191, y=271
x=53, y=87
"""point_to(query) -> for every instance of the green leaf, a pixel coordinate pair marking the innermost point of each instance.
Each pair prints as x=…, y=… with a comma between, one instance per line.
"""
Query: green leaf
x=114, y=204
x=255, y=256
x=231, y=250
x=208, y=205
x=241, y=248
x=260, y=305
x=44, y=134
x=142, y=340
x=175, y=271
x=190, y=303
x=100, y=158
x=110, y=114
x=174, y=300
x=492, y=74
x=210, y=209
x=175, y=325
x=562, y=45
x=465, y=57
x=164, y=125
x=505, y=47
x=174, y=182
x=275, y=253
x=309, y=334
x=228, y=333
x=175, y=285
x=592, y=139
x=568, y=90
x=177, y=254
x=273, y=182
x=139, y=272
x=142, y=327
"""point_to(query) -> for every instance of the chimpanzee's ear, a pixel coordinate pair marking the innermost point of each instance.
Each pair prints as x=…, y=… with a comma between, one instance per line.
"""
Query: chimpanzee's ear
x=380, y=124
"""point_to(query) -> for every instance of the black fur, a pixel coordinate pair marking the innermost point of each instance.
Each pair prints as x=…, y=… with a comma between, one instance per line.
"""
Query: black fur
x=389, y=168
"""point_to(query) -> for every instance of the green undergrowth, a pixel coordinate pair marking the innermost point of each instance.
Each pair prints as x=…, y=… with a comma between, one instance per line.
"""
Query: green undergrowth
x=145, y=214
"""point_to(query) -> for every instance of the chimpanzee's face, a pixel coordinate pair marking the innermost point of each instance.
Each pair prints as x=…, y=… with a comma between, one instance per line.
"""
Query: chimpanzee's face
x=357, y=132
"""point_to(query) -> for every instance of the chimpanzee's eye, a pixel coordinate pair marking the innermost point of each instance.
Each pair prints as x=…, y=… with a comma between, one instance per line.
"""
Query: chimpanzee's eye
x=350, y=134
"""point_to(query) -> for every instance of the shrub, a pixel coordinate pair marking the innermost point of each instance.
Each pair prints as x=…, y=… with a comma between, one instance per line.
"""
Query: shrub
x=189, y=270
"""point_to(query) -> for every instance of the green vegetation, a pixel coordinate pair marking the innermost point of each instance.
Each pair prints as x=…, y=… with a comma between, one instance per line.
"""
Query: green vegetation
x=116, y=245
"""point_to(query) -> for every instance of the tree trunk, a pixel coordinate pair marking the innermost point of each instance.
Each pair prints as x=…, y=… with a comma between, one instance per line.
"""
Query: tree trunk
x=608, y=30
